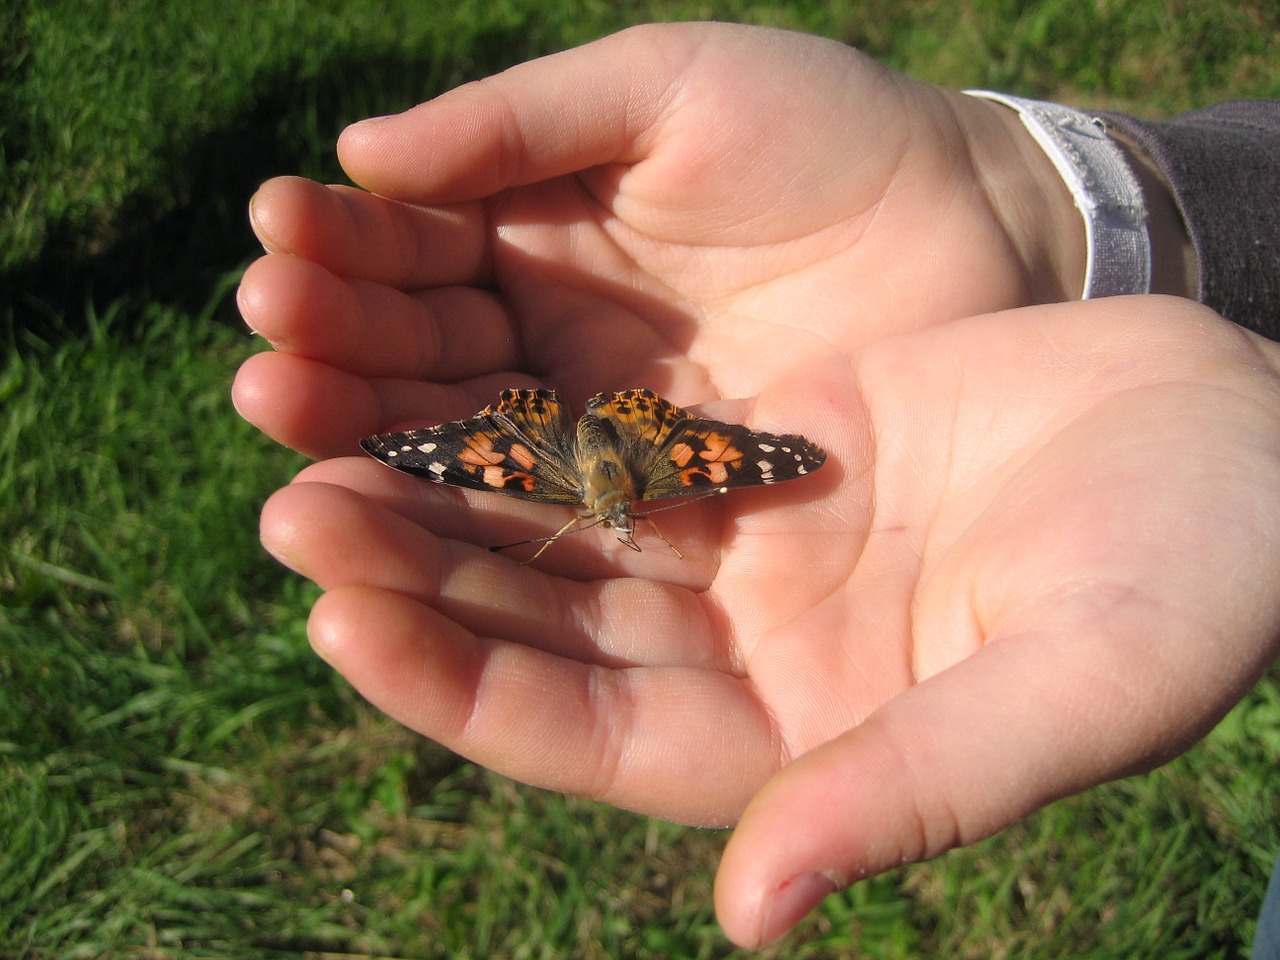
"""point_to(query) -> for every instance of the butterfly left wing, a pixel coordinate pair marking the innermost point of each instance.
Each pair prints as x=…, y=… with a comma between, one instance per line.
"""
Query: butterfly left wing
x=672, y=454
x=704, y=454
x=521, y=447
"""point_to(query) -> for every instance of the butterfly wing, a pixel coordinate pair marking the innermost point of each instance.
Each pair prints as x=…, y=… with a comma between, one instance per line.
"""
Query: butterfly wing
x=704, y=454
x=672, y=454
x=522, y=447
x=641, y=421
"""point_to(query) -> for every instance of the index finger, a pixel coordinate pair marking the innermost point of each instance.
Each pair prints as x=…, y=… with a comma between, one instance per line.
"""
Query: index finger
x=358, y=235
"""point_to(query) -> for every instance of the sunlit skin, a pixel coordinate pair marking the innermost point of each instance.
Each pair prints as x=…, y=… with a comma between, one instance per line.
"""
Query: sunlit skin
x=1041, y=554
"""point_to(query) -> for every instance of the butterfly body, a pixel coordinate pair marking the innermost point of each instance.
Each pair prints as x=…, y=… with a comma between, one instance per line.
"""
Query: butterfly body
x=629, y=447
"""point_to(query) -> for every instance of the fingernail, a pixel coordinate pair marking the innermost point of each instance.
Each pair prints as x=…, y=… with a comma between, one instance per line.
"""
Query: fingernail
x=792, y=901
x=370, y=122
x=259, y=228
x=245, y=307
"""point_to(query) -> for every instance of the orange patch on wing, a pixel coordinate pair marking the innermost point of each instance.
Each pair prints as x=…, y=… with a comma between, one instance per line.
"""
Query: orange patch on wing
x=681, y=454
x=501, y=479
x=720, y=447
x=479, y=451
x=522, y=455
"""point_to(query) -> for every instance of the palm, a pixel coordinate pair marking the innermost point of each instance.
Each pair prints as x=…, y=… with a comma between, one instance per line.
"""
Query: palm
x=954, y=510
x=613, y=278
x=661, y=209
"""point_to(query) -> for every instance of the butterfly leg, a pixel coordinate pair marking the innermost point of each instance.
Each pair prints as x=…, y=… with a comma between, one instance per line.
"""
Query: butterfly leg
x=553, y=538
x=654, y=524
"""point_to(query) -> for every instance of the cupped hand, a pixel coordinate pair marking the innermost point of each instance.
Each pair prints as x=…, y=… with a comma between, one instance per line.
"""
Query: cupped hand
x=696, y=208
x=1039, y=556
x=1042, y=555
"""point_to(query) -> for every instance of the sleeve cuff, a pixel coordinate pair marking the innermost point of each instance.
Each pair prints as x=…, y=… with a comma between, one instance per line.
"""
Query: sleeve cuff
x=1104, y=189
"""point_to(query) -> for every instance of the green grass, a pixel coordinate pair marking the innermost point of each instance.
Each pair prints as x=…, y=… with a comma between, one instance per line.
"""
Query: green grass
x=181, y=777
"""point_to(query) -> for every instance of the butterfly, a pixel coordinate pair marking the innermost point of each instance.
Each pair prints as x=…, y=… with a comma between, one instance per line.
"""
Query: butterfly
x=629, y=447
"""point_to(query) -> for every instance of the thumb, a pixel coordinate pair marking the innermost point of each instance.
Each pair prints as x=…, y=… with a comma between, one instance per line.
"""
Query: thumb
x=1022, y=722
x=553, y=116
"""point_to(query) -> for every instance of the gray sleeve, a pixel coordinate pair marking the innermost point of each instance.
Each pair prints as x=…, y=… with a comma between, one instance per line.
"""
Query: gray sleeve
x=1223, y=163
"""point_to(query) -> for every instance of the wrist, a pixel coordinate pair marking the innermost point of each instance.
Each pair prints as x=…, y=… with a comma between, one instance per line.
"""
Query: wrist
x=1030, y=199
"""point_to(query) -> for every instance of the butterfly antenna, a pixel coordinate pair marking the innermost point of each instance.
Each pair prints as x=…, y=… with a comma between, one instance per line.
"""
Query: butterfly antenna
x=671, y=506
x=546, y=541
x=717, y=491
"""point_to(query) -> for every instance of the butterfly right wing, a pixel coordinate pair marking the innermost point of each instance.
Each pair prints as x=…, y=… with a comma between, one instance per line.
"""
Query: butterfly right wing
x=522, y=447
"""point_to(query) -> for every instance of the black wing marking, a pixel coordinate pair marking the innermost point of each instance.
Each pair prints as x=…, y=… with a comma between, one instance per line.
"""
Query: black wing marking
x=521, y=447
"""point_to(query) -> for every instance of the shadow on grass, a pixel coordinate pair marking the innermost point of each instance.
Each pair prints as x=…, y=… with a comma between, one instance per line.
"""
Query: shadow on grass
x=174, y=242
